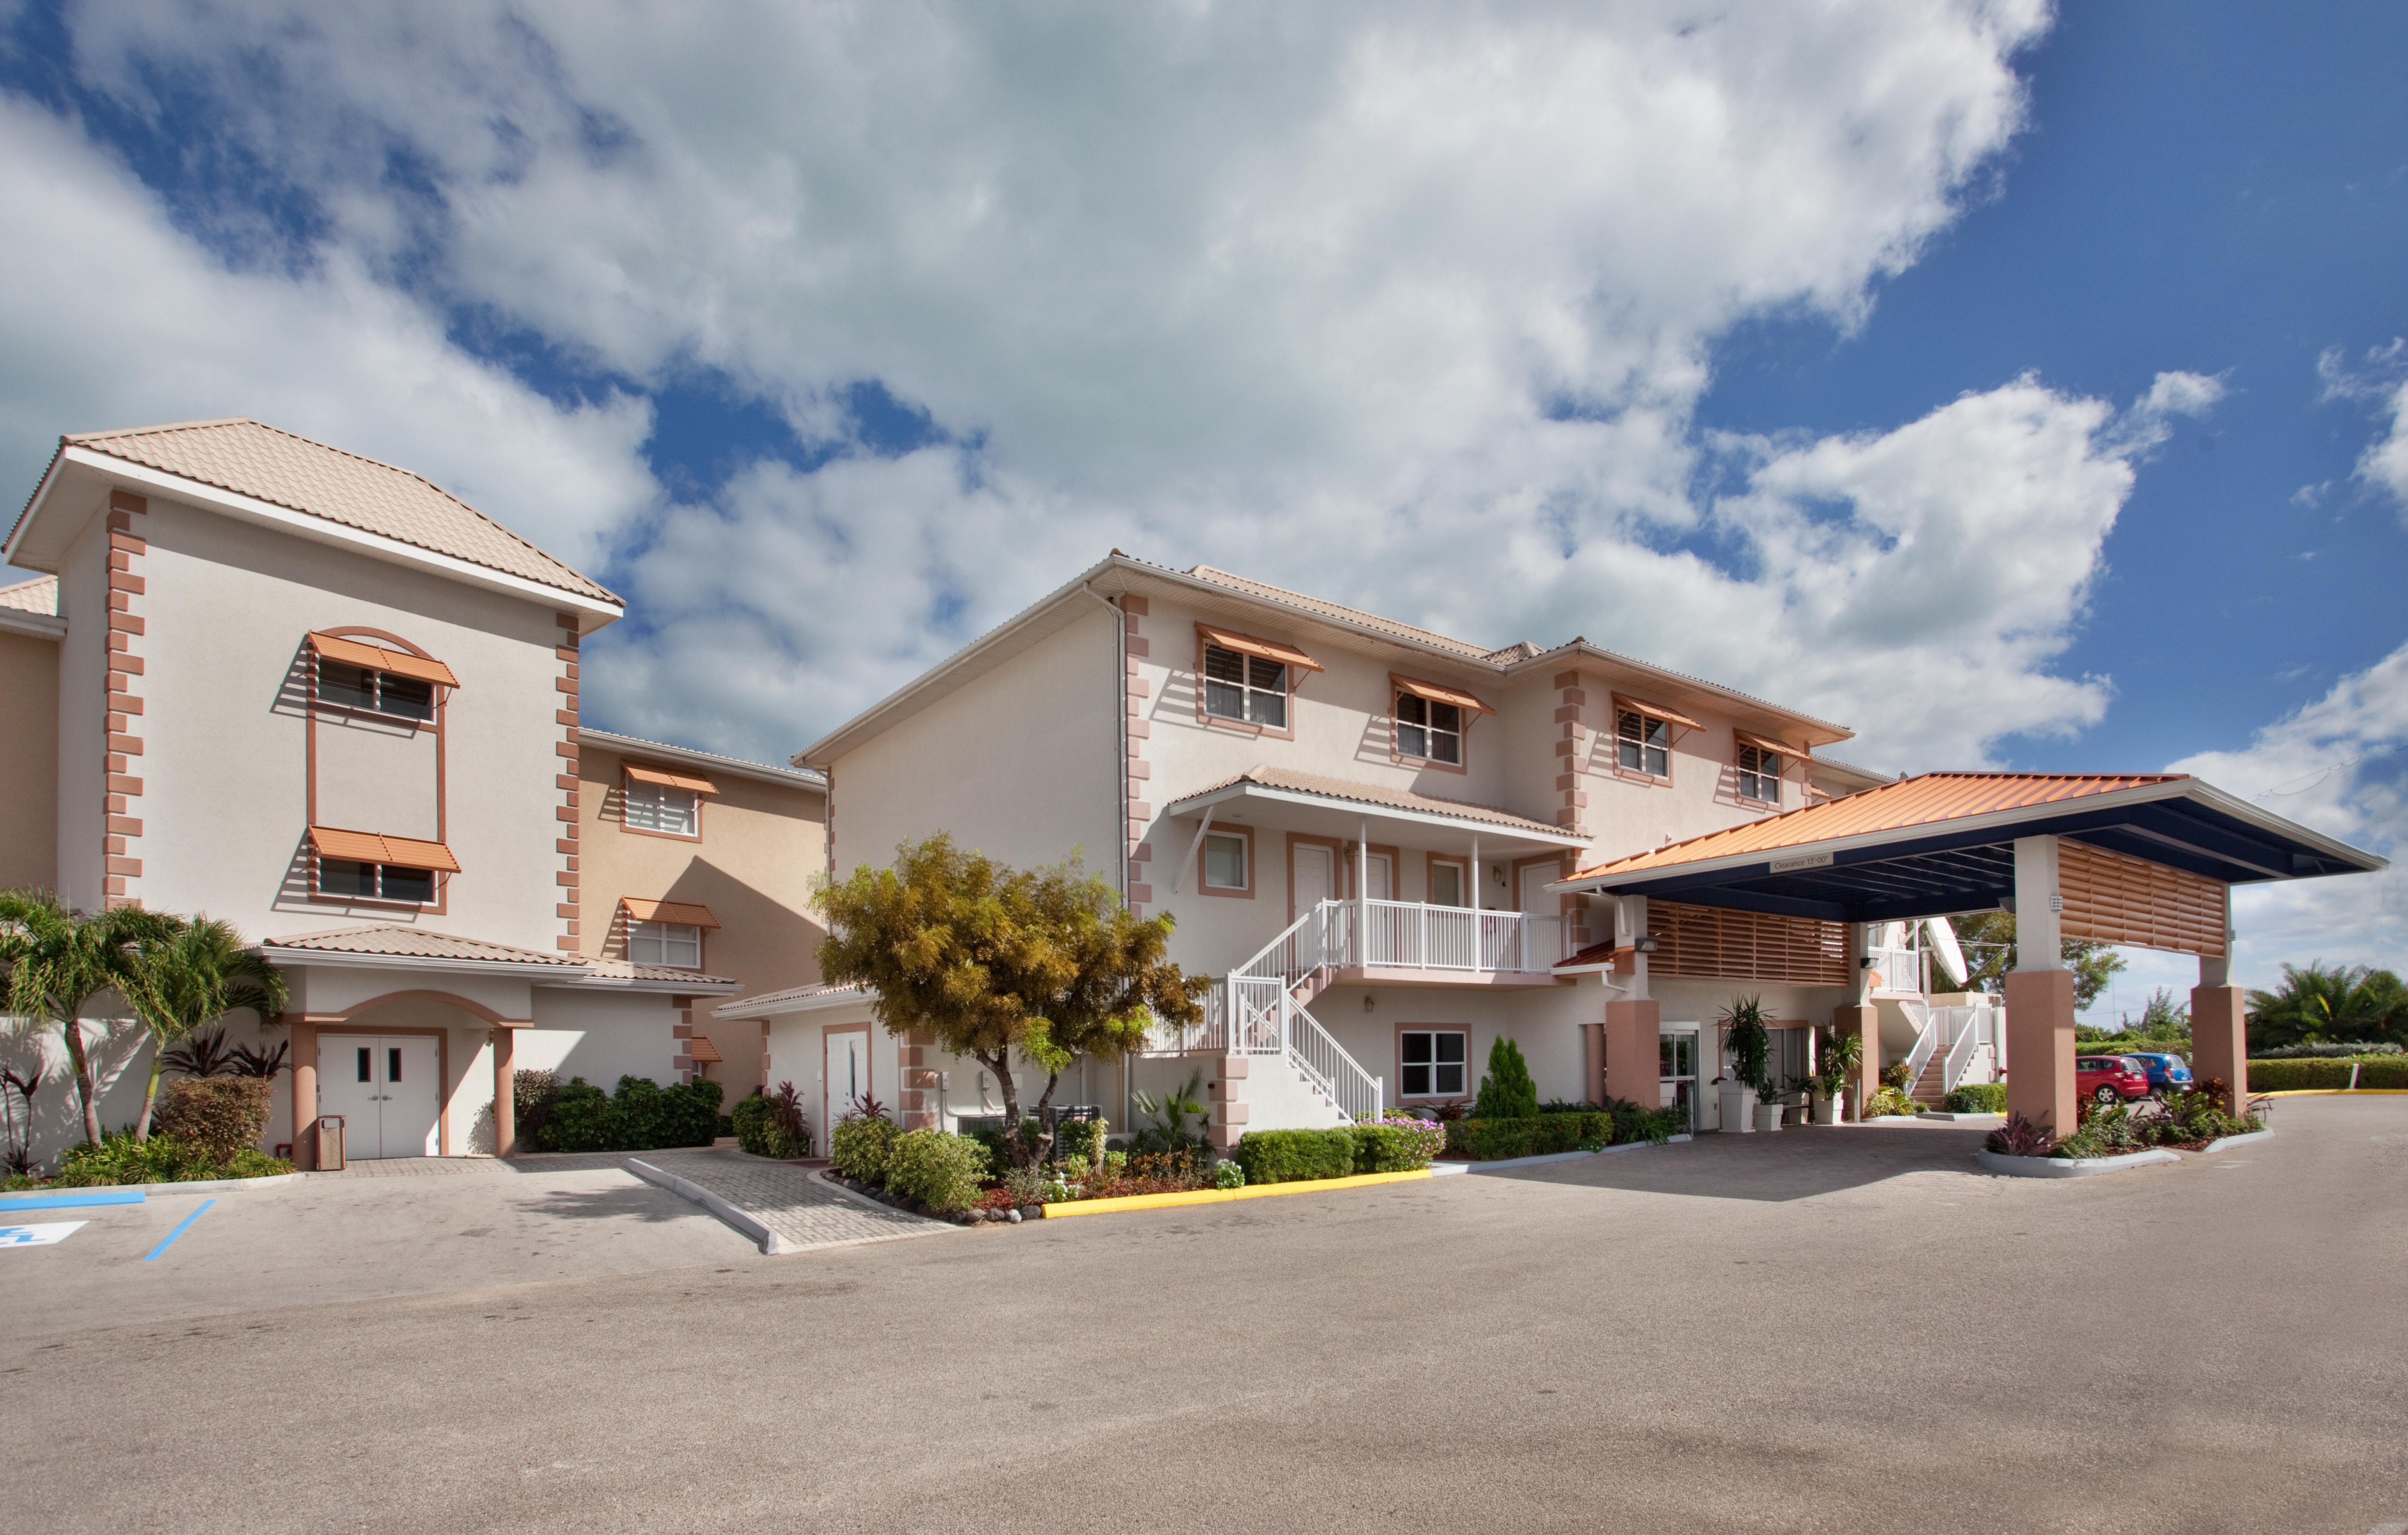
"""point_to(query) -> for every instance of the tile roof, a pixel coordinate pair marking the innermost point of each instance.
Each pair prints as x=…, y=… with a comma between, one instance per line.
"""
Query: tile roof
x=1372, y=794
x=401, y=943
x=267, y=463
x=1339, y=611
x=622, y=969
x=1918, y=801
x=796, y=997
x=39, y=595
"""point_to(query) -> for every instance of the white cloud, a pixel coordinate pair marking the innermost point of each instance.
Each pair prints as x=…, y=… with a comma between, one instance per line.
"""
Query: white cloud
x=2385, y=463
x=2381, y=377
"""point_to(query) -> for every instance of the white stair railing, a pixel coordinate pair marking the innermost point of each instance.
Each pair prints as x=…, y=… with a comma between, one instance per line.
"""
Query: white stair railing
x=1324, y=1062
x=1965, y=1033
x=1926, y=1037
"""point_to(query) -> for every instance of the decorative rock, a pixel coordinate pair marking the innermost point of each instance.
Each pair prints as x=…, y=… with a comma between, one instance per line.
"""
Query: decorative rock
x=1032, y=1213
x=1013, y=1215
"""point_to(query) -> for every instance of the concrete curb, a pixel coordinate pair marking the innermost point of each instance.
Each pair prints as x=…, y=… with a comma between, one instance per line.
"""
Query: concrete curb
x=749, y=1225
x=204, y=1186
x=2335, y=1092
x=2228, y=1141
x=2077, y=1167
x=1946, y=1117
x=1502, y=1163
x=1215, y=1195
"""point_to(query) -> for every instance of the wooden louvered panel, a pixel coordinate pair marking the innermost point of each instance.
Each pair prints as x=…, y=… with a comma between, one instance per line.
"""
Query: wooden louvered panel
x=2114, y=897
x=1711, y=942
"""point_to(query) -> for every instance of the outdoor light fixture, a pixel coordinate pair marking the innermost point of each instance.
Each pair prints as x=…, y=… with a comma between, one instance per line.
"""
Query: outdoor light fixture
x=1646, y=945
x=1866, y=963
x=1366, y=1001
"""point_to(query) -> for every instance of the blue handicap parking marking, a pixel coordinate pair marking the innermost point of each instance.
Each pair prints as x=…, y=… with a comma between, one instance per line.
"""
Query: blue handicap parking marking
x=38, y=1235
x=73, y=1199
x=152, y=1256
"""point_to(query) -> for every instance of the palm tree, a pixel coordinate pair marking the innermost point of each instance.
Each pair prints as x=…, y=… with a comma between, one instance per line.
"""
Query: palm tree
x=59, y=960
x=2322, y=1005
x=189, y=974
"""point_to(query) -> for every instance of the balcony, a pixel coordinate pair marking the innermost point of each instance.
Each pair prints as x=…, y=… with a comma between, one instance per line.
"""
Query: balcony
x=1414, y=943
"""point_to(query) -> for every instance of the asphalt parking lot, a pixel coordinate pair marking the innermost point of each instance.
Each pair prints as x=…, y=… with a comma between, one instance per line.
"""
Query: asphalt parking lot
x=1842, y=1330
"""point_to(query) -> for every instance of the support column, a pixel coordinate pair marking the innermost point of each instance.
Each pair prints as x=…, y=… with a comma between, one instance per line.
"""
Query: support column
x=2219, y=1040
x=2039, y=996
x=304, y=1095
x=1631, y=1052
x=917, y=1102
x=1227, y=1092
x=1862, y=1020
x=1593, y=1062
x=506, y=1102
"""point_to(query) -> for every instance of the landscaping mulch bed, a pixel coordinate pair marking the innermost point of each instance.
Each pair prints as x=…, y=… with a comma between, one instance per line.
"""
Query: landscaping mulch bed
x=1006, y=1216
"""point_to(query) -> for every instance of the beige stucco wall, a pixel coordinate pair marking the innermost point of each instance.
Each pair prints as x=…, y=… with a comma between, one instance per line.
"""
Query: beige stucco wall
x=226, y=767
x=28, y=761
x=762, y=851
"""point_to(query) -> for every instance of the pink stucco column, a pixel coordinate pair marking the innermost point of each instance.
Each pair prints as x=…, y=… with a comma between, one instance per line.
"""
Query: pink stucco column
x=506, y=1105
x=1632, y=1068
x=1593, y=1062
x=2219, y=1041
x=1863, y=1021
x=304, y=1095
x=1227, y=1092
x=2039, y=1048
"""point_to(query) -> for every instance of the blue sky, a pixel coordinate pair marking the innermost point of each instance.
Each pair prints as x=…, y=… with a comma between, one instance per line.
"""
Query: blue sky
x=2019, y=387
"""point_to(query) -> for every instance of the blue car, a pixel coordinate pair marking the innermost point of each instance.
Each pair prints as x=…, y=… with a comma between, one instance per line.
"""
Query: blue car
x=2167, y=1073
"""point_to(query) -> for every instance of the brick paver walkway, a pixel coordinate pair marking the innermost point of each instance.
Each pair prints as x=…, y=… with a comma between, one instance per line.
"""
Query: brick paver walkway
x=794, y=1201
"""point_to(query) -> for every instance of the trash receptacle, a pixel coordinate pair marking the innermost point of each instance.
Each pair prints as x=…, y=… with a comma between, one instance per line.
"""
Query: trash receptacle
x=330, y=1143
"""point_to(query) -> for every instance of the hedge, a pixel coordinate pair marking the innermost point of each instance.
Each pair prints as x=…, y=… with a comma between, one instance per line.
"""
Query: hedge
x=216, y=1116
x=757, y=1128
x=936, y=1168
x=1397, y=1145
x=641, y=1116
x=859, y=1146
x=1977, y=1097
x=1287, y=1156
x=2295, y=1075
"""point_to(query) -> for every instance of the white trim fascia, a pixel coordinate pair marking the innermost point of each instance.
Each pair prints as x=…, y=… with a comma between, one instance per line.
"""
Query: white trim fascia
x=39, y=625
x=1513, y=669
x=323, y=530
x=779, y=1004
x=635, y=746
x=591, y=981
x=33, y=505
x=1373, y=809
x=2142, y=794
x=277, y=955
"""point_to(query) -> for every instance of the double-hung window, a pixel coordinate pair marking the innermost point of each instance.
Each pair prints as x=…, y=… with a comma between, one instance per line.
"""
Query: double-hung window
x=1430, y=1062
x=1760, y=774
x=1643, y=743
x=1429, y=730
x=658, y=807
x=675, y=944
x=369, y=867
x=1246, y=688
x=367, y=881
x=1225, y=863
x=347, y=686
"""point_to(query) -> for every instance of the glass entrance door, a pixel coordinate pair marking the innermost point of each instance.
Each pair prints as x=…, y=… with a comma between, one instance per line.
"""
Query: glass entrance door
x=1676, y=1058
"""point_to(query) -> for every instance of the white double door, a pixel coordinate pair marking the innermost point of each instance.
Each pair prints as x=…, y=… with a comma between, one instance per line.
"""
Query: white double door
x=386, y=1089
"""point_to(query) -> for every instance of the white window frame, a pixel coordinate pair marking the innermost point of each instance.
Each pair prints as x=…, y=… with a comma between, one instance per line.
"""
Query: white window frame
x=1462, y=1066
x=1262, y=686
x=1245, y=864
x=650, y=807
x=1757, y=780
x=1633, y=750
x=1462, y=868
x=664, y=944
x=379, y=875
x=375, y=695
x=1426, y=733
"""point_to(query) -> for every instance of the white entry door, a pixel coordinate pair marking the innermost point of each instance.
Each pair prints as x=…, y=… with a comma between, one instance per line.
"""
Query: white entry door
x=385, y=1088
x=1535, y=899
x=1316, y=880
x=847, y=1075
x=1379, y=877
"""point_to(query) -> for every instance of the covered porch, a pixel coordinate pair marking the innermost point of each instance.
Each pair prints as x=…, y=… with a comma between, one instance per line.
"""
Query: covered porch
x=2144, y=860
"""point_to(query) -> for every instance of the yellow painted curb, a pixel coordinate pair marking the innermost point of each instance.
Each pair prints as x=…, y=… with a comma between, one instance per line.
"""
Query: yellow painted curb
x=1213, y=1196
x=2335, y=1092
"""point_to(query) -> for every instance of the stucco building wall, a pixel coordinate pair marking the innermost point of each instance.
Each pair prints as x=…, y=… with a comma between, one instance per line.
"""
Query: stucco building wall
x=29, y=760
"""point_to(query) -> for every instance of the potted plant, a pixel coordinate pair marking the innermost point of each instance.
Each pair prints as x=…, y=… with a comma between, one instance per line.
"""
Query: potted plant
x=1769, y=1106
x=1836, y=1065
x=1750, y=1044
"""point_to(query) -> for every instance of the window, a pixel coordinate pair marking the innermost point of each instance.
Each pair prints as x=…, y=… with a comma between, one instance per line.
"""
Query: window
x=1446, y=885
x=1429, y=730
x=658, y=807
x=1225, y=863
x=1645, y=743
x=375, y=882
x=676, y=944
x=1760, y=774
x=1431, y=1062
x=347, y=686
x=1246, y=688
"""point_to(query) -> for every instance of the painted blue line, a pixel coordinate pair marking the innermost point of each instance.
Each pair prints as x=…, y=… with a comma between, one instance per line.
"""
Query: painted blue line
x=153, y=1257
x=70, y=1201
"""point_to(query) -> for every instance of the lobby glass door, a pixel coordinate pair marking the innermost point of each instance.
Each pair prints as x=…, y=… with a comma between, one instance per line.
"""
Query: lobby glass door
x=1676, y=1058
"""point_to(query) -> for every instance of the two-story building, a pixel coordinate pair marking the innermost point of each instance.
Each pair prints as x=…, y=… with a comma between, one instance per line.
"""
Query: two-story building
x=316, y=696
x=1358, y=826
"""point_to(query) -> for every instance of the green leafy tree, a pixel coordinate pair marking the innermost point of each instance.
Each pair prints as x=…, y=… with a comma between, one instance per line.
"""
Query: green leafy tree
x=187, y=974
x=1988, y=939
x=1045, y=965
x=2317, y=1004
x=1507, y=1090
x=57, y=961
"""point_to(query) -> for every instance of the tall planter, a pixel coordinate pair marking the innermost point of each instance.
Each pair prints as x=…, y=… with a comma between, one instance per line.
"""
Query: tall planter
x=1739, y=1108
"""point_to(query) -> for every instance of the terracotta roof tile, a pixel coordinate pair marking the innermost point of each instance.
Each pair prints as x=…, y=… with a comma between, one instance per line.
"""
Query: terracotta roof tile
x=1338, y=610
x=1372, y=794
x=412, y=943
x=1917, y=801
x=39, y=595
x=267, y=463
x=622, y=969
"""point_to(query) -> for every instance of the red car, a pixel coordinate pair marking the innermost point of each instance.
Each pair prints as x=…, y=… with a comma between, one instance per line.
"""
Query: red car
x=2110, y=1079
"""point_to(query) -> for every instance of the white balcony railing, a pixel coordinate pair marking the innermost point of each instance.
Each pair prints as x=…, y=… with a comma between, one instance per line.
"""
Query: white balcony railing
x=1899, y=970
x=1409, y=935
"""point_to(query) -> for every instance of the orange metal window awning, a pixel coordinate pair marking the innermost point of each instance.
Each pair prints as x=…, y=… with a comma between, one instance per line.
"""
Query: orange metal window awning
x=1672, y=716
x=358, y=652
x=683, y=913
x=1268, y=650
x=704, y=1052
x=1439, y=693
x=368, y=847
x=1766, y=743
x=667, y=780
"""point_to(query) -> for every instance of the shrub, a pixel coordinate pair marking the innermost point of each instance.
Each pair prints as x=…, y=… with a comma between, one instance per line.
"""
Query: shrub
x=757, y=1129
x=2392, y=1072
x=1977, y=1097
x=1287, y=1156
x=1080, y=1143
x=1555, y=1133
x=1492, y=1140
x=2343, y=1052
x=216, y=1116
x=1507, y=1091
x=1894, y=1076
x=858, y=1147
x=2296, y=1075
x=935, y=1167
x=2020, y=1137
x=689, y=1114
x=580, y=1119
x=531, y=1096
x=1397, y=1145
x=1891, y=1100
x=120, y=1159
x=1228, y=1175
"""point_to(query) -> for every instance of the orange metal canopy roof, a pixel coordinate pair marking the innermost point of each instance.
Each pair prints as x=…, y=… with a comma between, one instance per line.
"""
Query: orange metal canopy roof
x=677, y=912
x=1918, y=801
x=370, y=847
x=1270, y=650
x=675, y=781
x=358, y=652
x=1440, y=693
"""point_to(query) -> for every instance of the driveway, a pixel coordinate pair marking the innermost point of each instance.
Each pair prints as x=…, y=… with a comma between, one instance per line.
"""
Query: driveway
x=1842, y=1331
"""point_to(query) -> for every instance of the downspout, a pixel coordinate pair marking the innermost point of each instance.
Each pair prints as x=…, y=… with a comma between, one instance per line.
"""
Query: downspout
x=1120, y=789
